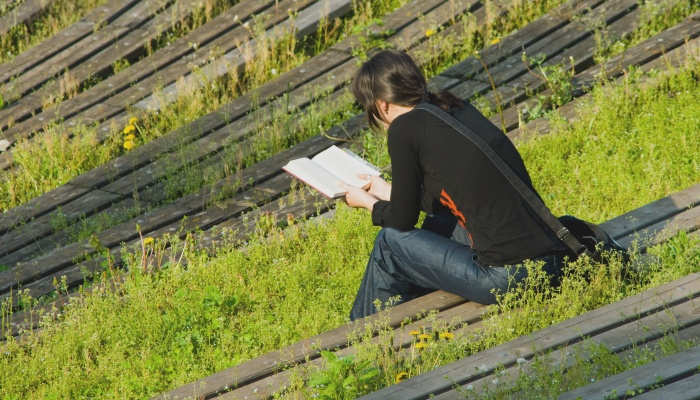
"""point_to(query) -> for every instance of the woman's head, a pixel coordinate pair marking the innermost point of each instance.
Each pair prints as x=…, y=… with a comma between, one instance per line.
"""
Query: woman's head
x=393, y=77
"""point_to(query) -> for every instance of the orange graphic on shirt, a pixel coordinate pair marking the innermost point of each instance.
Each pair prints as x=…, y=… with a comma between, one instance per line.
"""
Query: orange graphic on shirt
x=447, y=201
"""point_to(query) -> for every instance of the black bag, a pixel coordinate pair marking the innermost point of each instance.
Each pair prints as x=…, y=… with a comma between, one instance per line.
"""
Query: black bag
x=594, y=238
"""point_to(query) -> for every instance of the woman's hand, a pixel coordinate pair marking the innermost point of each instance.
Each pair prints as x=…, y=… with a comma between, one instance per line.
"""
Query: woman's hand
x=377, y=187
x=358, y=197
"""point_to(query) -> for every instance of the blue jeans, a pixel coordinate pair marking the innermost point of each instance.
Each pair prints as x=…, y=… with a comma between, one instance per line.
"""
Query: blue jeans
x=437, y=256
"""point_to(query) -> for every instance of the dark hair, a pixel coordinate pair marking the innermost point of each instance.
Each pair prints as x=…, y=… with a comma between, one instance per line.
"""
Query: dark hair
x=394, y=77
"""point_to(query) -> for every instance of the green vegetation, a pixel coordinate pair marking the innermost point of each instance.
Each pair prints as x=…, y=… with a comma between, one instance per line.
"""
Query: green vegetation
x=558, y=83
x=8, y=6
x=59, y=15
x=62, y=14
x=533, y=305
x=168, y=324
x=34, y=175
x=542, y=382
x=206, y=11
x=634, y=151
x=655, y=16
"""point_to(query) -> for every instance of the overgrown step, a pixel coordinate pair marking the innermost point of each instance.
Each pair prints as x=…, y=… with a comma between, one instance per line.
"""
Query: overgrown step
x=235, y=59
x=24, y=13
x=19, y=79
x=310, y=349
x=125, y=38
x=662, y=57
x=226, y=27
x=650, y=49
x=678, y=369
x=633, y=321
x=566, y=39
x=687, y=333
x=64, y=39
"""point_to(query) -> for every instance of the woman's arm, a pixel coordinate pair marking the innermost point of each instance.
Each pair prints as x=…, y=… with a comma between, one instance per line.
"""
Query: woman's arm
x=402, y=209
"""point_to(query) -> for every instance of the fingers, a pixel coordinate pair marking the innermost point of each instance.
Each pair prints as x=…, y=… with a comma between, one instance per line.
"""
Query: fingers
x=365, y=177
x=376, y=179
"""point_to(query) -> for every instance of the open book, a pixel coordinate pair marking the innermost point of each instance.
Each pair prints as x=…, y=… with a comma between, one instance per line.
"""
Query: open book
x=327, y=169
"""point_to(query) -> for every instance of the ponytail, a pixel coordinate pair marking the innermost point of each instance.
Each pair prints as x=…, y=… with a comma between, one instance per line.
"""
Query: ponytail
x=443, y=99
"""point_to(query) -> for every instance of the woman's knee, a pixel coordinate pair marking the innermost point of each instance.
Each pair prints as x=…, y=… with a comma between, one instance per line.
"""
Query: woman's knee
x=386, y=247
x=388, y=238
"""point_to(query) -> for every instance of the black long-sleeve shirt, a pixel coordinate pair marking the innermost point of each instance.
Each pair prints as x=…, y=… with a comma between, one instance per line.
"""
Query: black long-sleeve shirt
x=436, y=169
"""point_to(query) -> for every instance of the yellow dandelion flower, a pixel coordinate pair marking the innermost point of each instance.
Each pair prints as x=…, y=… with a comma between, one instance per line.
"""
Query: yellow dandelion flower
x=129, y=138
x=401, y=376
x=129, y=129
x=420, y=345
x=129, y=144
x=495, y=40
x=414, y=332
x=424, y=336
x=447, y=335
x=147, y=241
x=429, y=32
x=133, y=120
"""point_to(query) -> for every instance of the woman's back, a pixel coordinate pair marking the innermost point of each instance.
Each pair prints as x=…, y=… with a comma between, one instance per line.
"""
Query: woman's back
x=436, y=168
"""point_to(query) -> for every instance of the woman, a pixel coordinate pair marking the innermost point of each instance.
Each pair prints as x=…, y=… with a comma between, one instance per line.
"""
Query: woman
x=478, y=231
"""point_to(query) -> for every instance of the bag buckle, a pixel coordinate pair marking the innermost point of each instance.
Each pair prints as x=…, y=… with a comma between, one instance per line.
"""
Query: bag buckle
x=563, y=234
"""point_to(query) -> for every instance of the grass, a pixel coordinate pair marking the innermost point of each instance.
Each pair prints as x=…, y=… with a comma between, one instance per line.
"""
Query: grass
x=655, y=16
x=533, y=305
x=542, y=381
x=167, y=324
x=635, y=153
x=8, y=6
x=59, y=15
x=205, y=12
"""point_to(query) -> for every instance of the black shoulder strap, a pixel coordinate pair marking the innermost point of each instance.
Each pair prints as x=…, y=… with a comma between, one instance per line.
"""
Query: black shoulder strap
x=527, y=194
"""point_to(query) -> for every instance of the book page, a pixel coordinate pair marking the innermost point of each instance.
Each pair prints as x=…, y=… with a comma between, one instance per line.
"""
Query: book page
x=314, y=175
x=346, y=165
